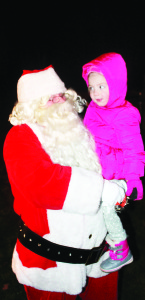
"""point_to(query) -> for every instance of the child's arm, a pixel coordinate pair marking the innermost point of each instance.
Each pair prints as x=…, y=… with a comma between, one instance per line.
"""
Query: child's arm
x=130, y=141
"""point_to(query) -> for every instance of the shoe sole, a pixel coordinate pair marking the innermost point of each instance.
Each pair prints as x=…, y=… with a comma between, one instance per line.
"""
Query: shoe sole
x=119, y=267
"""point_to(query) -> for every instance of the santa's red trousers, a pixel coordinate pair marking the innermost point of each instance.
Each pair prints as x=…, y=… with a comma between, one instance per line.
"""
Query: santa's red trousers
x=104, y=288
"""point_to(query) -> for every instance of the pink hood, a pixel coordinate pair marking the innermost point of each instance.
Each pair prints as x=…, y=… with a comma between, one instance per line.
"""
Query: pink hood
x=113, y=67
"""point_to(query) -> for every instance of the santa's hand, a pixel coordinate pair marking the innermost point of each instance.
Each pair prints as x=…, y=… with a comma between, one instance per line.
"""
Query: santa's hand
x=122, y=183
x=113, y=191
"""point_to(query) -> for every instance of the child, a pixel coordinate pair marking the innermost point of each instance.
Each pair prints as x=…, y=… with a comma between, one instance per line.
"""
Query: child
x=114, y=123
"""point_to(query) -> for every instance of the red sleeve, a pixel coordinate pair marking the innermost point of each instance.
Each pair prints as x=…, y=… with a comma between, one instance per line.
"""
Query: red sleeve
x=32, y=174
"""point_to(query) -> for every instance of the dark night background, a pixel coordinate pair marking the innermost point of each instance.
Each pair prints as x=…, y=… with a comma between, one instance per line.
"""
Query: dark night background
x=35, y=35
x=68, y=36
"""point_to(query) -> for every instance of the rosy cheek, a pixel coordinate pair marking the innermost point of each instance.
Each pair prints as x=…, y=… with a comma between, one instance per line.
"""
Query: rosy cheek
x=54, y=100
x=49, y=103
x=58, y=100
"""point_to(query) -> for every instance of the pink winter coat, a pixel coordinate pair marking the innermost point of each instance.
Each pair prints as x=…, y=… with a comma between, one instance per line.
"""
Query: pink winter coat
x=116, y=127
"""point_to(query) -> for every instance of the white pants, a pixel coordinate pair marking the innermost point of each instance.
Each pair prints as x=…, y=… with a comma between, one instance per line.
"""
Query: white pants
x=113, y=223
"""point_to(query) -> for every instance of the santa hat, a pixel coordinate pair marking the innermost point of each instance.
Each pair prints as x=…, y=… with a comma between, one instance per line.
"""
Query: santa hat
x=38, y=83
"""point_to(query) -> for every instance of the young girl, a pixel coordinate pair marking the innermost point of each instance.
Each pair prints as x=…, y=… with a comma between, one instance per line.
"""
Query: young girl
x=114, y=123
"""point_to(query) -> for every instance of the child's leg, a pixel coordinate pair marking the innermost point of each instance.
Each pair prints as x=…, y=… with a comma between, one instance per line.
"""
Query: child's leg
x=113, y=224
x=119, y=254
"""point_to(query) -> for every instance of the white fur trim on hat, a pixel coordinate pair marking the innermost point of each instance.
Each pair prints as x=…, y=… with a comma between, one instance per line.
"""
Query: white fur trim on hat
x=35, y=85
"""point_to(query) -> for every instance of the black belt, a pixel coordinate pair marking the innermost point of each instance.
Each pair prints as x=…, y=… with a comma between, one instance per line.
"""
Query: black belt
x=55, y=252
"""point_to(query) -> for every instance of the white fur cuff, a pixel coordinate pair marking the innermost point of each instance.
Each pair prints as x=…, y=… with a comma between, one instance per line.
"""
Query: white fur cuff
x=84, y=192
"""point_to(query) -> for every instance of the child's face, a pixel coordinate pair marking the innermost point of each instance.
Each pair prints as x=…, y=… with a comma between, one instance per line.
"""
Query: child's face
x=98, y=89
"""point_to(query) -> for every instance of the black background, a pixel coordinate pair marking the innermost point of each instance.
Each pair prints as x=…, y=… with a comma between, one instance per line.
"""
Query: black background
x=68, y=35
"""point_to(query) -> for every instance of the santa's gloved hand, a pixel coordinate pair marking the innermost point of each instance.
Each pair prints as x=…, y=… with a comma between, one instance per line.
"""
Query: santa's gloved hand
x=122, y=183
x=113, y=191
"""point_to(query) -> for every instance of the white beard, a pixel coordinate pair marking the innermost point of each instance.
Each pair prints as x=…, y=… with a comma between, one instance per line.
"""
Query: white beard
x=65, y=138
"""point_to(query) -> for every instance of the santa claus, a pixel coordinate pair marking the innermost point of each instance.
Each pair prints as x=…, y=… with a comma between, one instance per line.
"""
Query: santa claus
x=56, y=182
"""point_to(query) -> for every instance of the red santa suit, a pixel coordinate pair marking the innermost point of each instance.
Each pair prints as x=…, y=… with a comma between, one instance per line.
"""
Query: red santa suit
x=58, y=202
x=52, y=200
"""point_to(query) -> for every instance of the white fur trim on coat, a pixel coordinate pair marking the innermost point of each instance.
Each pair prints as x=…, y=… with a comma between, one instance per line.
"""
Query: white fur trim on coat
x=65, y=277
x=84, y=192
